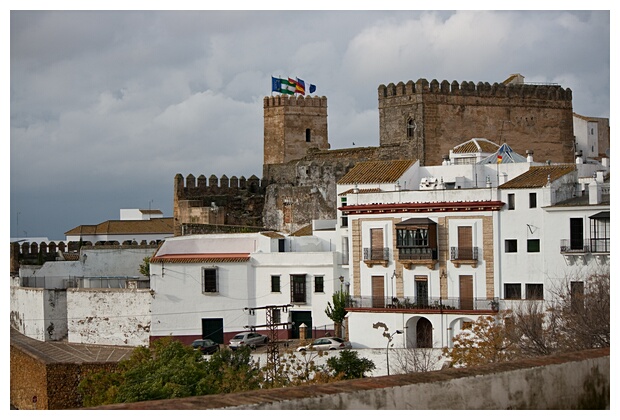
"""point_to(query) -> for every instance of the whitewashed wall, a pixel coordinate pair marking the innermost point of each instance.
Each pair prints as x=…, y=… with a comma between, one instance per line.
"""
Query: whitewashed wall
x=115, y=317
x=38, y=313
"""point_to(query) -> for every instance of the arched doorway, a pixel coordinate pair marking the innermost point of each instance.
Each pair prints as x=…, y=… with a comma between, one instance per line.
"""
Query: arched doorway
x=424, y=334
x=419, y=333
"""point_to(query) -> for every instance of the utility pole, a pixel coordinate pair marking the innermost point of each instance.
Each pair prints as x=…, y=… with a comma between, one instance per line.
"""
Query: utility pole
x=273, y=351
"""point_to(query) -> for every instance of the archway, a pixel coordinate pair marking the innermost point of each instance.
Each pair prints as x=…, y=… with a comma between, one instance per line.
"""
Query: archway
x=424, y=334
x=419, y=332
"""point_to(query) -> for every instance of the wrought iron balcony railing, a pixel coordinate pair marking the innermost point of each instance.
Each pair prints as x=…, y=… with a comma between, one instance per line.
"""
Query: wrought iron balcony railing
x=464, y=253
x=424, y=303
x=377, y=254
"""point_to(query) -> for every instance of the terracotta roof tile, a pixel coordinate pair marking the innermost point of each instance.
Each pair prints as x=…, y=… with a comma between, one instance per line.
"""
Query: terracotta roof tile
x=538, y=176
x=376, y=172
x=476, y=146
x=361, y=191
x=201, y=258
x=304, y=231
x=158, y=225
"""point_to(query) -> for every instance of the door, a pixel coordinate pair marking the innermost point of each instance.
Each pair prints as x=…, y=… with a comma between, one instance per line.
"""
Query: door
x=421, y=291
x=576, y=234
x=213, y=329
x=466, y=292
x=424, y=334
x=298, y=318
x=464, y=243
x=378, y=292
x=376, y=244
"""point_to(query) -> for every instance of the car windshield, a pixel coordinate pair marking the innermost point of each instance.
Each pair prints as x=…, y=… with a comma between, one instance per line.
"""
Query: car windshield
x=340, y=340
x=238, y=337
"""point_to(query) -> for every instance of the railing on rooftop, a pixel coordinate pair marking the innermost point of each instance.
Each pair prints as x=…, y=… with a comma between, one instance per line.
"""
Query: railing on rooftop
x=57, y=282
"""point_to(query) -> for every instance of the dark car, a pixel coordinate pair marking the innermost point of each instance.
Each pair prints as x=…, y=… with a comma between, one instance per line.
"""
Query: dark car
x=206, y=346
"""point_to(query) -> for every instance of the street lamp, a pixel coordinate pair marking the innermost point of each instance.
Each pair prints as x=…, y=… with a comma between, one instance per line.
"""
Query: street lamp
x=387, y=349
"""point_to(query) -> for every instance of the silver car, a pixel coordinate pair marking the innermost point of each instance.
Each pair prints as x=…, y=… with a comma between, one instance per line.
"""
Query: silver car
x=250, y=339
x=326, y=343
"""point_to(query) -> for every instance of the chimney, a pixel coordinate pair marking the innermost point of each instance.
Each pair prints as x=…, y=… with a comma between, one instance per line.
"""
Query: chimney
x=578, y=158
x=530, y=155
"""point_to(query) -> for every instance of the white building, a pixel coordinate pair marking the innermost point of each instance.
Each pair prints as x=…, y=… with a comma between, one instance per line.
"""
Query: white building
x=430, y=259
x=211, y=285
x=135, y=225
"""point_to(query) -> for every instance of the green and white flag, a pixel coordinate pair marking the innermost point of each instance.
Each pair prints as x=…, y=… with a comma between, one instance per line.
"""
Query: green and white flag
x=283, y=86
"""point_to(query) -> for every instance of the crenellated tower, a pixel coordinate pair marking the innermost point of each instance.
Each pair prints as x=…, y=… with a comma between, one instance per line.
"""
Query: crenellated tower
x=292, y=126
x=427, y=119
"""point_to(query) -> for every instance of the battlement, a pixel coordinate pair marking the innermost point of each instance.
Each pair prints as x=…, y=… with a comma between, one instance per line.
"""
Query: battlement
x=498, y=90
x=301, y=101
x=215, y=185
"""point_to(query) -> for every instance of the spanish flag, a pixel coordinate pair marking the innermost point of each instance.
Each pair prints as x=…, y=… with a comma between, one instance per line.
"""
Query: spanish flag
x=499, y=158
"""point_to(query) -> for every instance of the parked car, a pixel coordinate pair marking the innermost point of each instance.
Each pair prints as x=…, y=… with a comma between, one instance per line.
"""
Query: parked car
x=250, y=339
x=326, y=343
x=206, y=346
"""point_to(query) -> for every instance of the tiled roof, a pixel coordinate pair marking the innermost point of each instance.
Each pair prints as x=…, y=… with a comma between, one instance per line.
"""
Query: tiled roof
x=376, y=172
x=273, y=235
x=158, y=225
x=538, y=176
x=304, y=231
x=361, y=191
x=476, y=146
x=201, y=258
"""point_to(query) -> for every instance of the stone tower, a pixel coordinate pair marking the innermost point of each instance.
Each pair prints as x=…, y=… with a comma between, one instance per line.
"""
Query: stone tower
x=292, y=126
x=427, y=119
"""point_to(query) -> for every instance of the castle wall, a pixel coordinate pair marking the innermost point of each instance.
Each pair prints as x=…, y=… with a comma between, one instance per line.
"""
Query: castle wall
x=537, y=117
x=223, y=201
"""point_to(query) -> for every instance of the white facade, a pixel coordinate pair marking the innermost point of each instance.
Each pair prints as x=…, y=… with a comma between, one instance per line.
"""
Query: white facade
x=586, y=136
x=251, y=271
x=517, y=237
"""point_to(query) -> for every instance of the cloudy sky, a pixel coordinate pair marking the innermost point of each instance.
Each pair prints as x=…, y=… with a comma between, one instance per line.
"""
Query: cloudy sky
x=107, y=106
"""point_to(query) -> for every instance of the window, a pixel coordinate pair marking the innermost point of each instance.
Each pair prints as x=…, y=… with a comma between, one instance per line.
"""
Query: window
x=209, y=280
x=318, y=284
x=275, y=284
x=308, y=135
x=410, y=128
x=421, y=290
x=298, y=288
x=511, y=201
x=534, y=291
x=510, y=245
x=276, y=315
x=512, y=291
x=533, y=245
x=344, y=221
x=466, y=325
x=533, y=200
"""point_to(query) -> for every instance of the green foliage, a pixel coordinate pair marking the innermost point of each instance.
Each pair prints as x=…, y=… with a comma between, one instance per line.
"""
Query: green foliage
x=348, y=365
x=145, y=267
x=232, y=371
x=170, y=369
x=337, y=311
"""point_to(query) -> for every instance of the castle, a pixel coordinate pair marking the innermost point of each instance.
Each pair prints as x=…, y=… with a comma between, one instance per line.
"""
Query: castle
x=420, y=121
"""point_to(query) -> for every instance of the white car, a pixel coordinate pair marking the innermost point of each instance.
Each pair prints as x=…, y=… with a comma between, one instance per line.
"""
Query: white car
x=250, y=339
x=326, y=343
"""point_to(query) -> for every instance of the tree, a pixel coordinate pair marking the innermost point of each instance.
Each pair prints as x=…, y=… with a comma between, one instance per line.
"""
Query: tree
x=337, y=312
x=145, y=267
x=170, y=369
x=485, y=342
x=348, y=365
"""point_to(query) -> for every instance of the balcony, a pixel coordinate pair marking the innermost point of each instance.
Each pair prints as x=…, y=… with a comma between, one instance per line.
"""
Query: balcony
x=568, y=246
x=376, y=256
x=426, y=304
x=412, y=256
x=462, y=255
